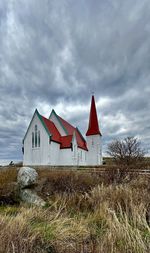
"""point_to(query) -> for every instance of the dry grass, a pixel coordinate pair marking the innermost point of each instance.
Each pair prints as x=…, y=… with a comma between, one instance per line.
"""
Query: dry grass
x=8, y=178
x=83, y=215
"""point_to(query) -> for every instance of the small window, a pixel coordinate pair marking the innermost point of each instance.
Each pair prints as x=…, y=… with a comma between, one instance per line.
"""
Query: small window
x=38, y=138
x=35, y=136
x=32, y=140
x=35, y=139
x=75, y=151
x=92, y=142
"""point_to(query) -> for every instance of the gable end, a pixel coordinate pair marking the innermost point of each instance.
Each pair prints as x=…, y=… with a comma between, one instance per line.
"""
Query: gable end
x=41, y=120
x=53, y=112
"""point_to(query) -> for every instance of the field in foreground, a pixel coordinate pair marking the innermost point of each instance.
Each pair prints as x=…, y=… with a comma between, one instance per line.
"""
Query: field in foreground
x=87, y=213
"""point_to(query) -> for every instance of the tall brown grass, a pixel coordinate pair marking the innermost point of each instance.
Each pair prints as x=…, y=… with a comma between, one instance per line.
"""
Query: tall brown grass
x=83, y=214
x=8, y=179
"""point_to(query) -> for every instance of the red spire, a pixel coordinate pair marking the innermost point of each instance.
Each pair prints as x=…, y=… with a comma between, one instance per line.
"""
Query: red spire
x=93, y=121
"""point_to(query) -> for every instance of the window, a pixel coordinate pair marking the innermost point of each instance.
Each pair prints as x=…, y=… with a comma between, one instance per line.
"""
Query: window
x=92, y=142
x=35, y=138
x=74, y=147
x=38, y=138
x=32, y=140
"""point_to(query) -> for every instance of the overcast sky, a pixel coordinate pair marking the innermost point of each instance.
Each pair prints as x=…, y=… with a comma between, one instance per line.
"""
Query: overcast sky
x=54, y=54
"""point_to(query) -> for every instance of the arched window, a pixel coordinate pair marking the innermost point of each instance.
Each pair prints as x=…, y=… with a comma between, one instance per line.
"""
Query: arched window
x=38, y=138
x=35, y=136
x=36, y=141
x=32, y=139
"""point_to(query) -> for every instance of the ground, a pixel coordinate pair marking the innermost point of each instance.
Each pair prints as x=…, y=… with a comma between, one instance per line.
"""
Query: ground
x=86, y=212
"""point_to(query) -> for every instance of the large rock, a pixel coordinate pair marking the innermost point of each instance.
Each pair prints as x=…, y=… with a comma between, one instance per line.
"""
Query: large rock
x=31, y=197
x=27, y=177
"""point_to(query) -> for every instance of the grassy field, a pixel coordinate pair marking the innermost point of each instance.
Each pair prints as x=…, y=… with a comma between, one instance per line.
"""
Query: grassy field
x=109, y=161
x=85, y=213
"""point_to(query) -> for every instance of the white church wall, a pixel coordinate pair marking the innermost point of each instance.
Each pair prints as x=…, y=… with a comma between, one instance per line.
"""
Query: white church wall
x=36, y=155
x=65, y=157
x=82, y=155
x=54, y=149
x=94, y=145
x=73, y=157
x=78, y=154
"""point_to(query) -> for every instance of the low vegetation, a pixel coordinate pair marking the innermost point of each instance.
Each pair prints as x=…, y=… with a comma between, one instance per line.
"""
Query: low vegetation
x=127, y=153
x=85, y=212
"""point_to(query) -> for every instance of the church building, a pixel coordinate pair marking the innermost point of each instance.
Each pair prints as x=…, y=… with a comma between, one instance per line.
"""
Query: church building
x=56, y=142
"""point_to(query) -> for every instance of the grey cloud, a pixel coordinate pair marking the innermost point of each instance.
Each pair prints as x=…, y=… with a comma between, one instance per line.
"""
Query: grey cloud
x=61, y=51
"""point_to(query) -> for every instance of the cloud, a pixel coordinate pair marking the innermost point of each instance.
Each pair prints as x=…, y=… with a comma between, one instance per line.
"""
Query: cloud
x=54, y=54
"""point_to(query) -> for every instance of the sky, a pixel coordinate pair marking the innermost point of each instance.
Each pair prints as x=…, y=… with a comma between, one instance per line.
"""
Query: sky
x=55, y=54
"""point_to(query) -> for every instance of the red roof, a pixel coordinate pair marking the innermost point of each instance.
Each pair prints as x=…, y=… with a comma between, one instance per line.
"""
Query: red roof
x=93, y=121
x=65, y=141
x=52, y=130
x=71, y=129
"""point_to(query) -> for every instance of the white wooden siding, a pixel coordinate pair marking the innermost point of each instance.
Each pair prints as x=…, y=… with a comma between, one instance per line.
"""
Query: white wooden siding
x=39, y=155
x=94, y=146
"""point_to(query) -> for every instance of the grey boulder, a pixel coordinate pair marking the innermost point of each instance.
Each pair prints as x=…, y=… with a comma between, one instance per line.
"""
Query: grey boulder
x=31, y=197
x=27, y=177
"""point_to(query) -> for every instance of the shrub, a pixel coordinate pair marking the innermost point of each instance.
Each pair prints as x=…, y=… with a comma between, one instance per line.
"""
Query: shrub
x=127, y=152
x=65, y=181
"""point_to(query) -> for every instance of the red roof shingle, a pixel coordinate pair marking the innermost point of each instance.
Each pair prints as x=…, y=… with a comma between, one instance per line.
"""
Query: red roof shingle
x=65, y=141
x=70, y=129
x=52, y=130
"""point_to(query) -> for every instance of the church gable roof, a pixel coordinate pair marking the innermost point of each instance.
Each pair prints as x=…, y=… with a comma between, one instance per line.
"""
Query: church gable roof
x=71, y=129
x=65, y=141
x=55, y=135
x=56, y=120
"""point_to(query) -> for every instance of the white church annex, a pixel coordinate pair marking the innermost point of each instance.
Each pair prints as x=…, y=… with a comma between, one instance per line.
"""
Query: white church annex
x=56, y=142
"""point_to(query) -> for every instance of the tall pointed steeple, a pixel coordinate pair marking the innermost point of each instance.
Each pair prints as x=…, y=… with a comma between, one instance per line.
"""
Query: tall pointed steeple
x=93, y=128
